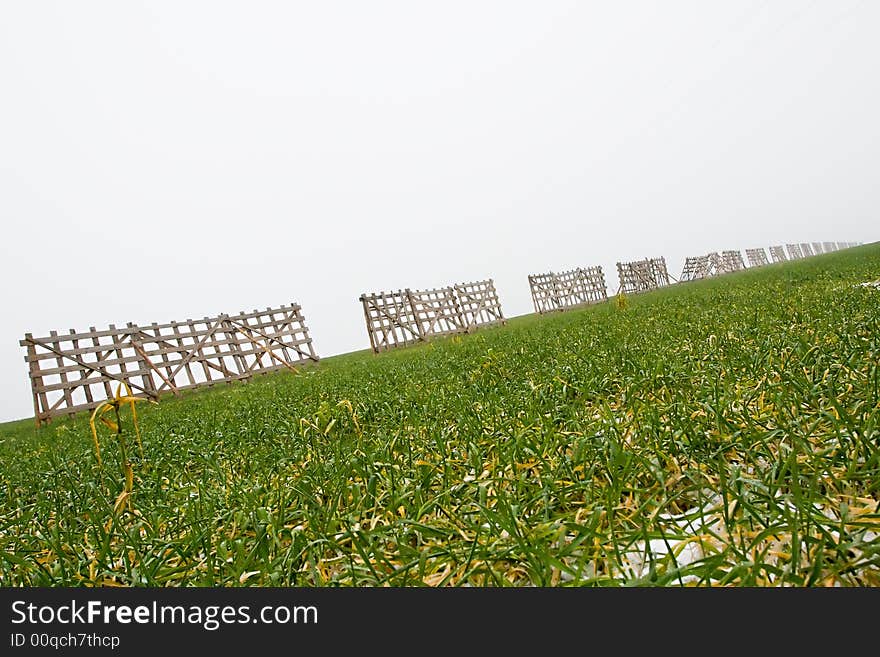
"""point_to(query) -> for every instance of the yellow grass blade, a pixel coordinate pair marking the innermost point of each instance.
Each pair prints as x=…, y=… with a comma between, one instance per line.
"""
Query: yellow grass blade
x=120, y=501
x=95, y=432
x=137, y=431
x=110, y=424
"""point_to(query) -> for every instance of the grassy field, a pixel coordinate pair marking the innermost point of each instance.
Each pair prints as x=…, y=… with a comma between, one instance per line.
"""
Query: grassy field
x=722, y=432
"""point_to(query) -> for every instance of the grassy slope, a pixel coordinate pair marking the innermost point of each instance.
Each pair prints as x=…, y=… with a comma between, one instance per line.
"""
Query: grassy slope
x=561, y=449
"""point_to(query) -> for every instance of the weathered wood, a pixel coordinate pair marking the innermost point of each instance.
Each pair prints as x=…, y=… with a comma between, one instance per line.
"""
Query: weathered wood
x=777, y=253
x=263, y=348
x=409, y=316
x=711, y=264
x=732, y=261
x=569, y=289
x=757, y=257
x=391, y=320
x=696, y=268
x=479, y=304
x=96, y=340
x=92, y=367
x=794, y=251
x=40, y=401
x=437, y=311
x=642, y=275
x=153, y=358
x=68, y=400
x=149, y=364
x=86, y=389
x=184, y=349
x=230, y=331
x=144, y=362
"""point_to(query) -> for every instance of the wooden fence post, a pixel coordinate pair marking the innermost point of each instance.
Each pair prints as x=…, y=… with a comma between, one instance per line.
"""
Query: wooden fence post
x=36, y=379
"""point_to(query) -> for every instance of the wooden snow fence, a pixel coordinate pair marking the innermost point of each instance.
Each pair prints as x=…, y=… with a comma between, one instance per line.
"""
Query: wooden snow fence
x=794, y=251
x=778, y=254
x=711, y=264
x=79, y=370
x=757, y=257
x=696, y=268
x=732, y=261
x=568, y=289
x=405, y=317
x=642, y=275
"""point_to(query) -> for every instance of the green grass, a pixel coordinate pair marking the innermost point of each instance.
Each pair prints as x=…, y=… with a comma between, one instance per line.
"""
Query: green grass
x=722, y=432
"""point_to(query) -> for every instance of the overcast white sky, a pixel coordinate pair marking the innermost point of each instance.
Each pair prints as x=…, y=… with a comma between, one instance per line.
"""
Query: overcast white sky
x=168, y=160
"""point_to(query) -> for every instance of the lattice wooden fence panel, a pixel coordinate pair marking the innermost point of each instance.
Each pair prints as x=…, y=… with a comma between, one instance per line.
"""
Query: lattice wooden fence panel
x=77, y=371
x=757, y=257
x=573, y=289
x=408, y=316
x=595, y=287
x=642, y=275
x=568, y=289
x=272, y=339
x=712, y=264
x=659, y=272
x=479, y=303
x=437, y=311
x=543, y=287
x=695, y=268
x=391, y=320
x=794, y=251
x=189, y=354
x=778, y=254
x=732, y=261
x=806, y=249
x=817, y=248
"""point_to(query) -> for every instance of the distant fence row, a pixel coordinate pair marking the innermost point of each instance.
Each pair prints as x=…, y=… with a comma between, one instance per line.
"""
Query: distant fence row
x=586, y=285
x=77, y=371
x=714, y=264
x=408, y=316
x=805, y=250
